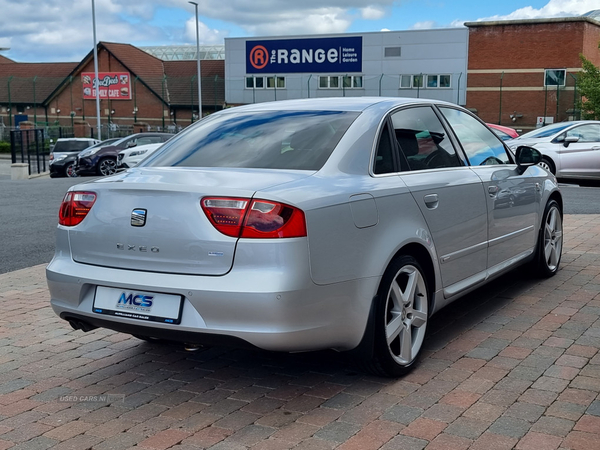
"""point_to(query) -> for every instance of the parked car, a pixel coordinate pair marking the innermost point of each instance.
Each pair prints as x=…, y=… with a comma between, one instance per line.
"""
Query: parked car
x=131, y=157
x=303, y=225
x=64, y=155
x=504, y=133
x=569, y=149
x=103, y=161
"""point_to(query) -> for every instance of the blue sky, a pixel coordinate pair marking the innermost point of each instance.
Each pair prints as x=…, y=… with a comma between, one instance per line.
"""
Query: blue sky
x=61, y=30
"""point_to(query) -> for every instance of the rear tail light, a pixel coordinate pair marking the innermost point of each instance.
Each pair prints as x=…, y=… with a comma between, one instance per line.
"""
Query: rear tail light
x=262, y=219
x=75, y=206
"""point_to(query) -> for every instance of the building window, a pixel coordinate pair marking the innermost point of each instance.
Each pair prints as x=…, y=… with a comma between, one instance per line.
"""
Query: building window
x=555, y=77
x=255, y=82
x=421, y=81
x=272, y=80
x=417, y=81
x=337, y=82
x=261, y=83
x=405, y=81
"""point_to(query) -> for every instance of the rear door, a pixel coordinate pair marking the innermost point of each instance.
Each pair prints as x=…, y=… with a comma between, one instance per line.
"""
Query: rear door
x=449, y=195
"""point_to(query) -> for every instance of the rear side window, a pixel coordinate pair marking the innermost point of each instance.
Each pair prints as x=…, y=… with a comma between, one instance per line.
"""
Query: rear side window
x=264, y=140
x=422, y=139
x=70, y=146
x=481, y=145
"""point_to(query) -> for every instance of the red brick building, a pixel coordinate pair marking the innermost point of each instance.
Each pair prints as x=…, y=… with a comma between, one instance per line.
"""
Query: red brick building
x=160, y=94
x=523, y=70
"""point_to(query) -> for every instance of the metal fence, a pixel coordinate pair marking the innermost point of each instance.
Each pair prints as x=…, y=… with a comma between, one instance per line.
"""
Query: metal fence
x=31, y=147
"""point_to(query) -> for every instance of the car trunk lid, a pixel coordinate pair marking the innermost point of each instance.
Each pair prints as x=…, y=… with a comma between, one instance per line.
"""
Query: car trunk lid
x=151, y=219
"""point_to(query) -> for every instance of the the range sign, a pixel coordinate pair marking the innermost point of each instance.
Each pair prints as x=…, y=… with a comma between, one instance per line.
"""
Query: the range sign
x=319, y=55
x=111, y=85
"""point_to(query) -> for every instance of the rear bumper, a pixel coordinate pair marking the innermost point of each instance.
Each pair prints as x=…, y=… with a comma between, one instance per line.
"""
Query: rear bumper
x=274, y=308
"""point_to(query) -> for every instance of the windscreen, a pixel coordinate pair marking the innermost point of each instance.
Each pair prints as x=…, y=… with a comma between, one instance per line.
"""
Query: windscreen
x=263, y=140
x=70, y=146
x=547, y=131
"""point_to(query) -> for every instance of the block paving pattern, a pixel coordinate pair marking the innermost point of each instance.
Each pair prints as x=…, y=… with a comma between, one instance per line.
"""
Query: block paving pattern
x=512, y=365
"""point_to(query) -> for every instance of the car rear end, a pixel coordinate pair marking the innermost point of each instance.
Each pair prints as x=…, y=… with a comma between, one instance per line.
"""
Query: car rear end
x=197, y=254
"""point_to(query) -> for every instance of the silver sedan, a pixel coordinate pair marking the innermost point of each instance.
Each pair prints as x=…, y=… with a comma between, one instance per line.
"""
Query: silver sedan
x=569, y=149
x=304, y=225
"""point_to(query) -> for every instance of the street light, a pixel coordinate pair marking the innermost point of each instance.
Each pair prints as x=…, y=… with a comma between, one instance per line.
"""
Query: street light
x=198, y=62
x=96, y=73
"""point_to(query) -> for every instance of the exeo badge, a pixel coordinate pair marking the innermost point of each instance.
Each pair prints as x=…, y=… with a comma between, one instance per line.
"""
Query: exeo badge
x=138, y=217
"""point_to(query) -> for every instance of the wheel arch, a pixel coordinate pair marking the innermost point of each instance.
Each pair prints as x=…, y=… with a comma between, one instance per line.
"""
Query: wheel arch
x=552, y=163
x=418, y=251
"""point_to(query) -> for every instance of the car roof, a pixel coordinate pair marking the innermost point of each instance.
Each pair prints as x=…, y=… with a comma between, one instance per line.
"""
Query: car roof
x=76, y=139
x=333, y=104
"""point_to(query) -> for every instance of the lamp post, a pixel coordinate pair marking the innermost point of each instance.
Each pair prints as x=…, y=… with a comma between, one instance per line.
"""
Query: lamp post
x=96, y=73
x=198, y=63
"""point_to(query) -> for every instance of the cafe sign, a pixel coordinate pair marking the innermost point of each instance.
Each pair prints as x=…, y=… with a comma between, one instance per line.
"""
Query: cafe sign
x=110, y=85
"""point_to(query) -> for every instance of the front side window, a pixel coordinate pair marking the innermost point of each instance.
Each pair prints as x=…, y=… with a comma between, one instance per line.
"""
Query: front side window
x=585, y=133
x=422, y=139
x=299, y=140
x=481, y=145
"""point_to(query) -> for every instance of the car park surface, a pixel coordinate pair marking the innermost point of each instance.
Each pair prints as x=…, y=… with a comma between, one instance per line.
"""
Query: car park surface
x=250, y=182
x=570, y=150
x=512, y=365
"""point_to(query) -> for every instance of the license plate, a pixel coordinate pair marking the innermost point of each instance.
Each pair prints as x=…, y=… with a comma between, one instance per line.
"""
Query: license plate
x=140, y=305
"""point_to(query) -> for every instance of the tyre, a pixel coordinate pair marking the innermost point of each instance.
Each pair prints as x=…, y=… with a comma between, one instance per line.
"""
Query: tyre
x=107, y=166
x=550, y=241
x=548, y=164
x=401, y=318
x=70, y=170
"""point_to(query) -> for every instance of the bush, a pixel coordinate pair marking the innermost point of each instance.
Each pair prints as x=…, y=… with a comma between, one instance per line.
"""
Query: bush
x=4, y=147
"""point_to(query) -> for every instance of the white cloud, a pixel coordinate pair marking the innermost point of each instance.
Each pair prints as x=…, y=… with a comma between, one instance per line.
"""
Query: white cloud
x=61, y=30
x=554, y=8
x=372, y=13
x=425, y=25
x=207, y=36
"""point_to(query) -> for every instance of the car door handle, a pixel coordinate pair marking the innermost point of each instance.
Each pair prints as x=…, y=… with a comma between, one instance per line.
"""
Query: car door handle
x=431, y=201
x=493, y=190
x=596, y=148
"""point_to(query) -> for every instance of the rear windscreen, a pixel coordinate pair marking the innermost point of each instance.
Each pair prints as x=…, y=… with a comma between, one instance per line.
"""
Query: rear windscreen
x=70, y=146
x=266, y=140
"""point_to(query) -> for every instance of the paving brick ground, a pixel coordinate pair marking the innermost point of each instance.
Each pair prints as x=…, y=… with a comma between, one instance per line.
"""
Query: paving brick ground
x=513, y=365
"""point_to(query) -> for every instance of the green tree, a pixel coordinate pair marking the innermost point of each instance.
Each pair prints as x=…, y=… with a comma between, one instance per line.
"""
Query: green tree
x=588, y=85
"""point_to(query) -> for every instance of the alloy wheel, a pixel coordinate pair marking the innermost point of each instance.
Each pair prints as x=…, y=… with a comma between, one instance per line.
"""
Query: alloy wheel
x=107, y=167
x=406, y=314
x=553, y=238
x=70, y=171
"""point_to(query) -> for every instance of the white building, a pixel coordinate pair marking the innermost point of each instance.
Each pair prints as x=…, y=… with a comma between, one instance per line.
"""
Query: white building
x=416, y=63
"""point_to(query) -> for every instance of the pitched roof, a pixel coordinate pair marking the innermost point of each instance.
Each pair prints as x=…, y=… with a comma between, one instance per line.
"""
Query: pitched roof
x=148, y=68
x=47, y=77
x=5, y=60
x=183, y=86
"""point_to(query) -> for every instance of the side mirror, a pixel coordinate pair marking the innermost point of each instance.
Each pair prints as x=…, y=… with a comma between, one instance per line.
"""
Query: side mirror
x=569, y=140
x=527, y=156
x=131, y=144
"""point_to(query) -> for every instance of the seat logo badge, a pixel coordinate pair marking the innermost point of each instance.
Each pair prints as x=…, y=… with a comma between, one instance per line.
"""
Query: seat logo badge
x=138, y=217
